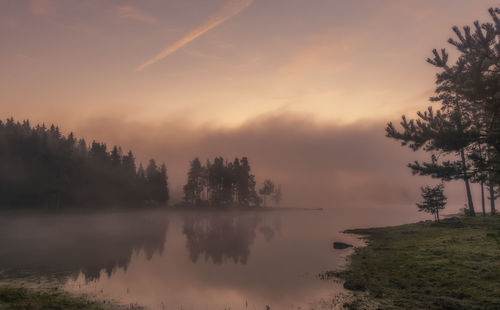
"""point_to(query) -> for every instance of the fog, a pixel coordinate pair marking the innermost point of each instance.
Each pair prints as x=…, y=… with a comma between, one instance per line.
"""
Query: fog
x=317, y=164
x=185, y=259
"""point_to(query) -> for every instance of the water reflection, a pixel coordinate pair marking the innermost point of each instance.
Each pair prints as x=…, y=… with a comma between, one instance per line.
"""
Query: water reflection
x=58, y=246
x=210, y=260
x=222, y=237
x=236, y=260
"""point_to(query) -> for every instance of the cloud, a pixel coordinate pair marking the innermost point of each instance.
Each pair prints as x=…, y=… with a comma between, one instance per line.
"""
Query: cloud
x=321, y=53
x=41, y=7
x=130, y=12
x=230, y=9
x=317, y=164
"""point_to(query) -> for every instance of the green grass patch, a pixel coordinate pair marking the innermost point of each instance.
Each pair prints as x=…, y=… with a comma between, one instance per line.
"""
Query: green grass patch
x=451, y=265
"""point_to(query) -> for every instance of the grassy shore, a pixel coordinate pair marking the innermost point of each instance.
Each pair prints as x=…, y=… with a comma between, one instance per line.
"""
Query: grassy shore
x=22, y=298
x=451, y=265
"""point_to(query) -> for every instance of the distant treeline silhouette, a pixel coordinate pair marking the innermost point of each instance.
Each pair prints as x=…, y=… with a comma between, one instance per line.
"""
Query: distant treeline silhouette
x=221, y=183
x=463, y=134
x=41, y=167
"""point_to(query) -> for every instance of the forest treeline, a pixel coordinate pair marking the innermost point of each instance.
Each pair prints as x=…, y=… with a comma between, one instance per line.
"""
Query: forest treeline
x=41, y=167
x=225, y=183
x=462, y=135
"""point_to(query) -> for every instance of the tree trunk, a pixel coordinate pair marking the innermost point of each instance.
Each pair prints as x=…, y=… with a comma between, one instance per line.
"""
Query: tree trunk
x=482, y=199
x=491, y=188
x=467, y=186
x=437, y=215
x=492, y=198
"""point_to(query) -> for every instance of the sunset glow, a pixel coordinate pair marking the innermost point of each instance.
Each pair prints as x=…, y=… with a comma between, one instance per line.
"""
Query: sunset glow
x=100, y=69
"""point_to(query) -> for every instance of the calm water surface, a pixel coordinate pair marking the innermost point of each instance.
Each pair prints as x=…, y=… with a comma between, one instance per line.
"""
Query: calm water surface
x=187, y=260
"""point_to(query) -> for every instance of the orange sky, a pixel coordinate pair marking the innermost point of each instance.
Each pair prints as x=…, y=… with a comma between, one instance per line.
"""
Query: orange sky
x=163, y=72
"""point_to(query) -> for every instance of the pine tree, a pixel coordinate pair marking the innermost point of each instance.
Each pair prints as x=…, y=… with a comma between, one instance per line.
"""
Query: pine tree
x=42, y=167
x=267, y=189
x=278, y=195
x=474, y=79
x=163, y=184
x=195, y=183
x=244, y=182
x=128, y=163
x=434, y=200
x=224, y=183
x=447, y=131
x=116, y=156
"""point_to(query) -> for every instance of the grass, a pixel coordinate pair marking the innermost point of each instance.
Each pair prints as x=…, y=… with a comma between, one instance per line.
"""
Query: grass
x=451, y=265
x=17, y=298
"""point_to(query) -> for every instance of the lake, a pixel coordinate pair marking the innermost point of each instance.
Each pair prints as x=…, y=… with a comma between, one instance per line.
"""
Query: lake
x=187, y=259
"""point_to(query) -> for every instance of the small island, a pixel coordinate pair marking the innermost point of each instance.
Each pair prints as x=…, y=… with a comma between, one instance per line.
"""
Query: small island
x=225, y=184
x=243, y=154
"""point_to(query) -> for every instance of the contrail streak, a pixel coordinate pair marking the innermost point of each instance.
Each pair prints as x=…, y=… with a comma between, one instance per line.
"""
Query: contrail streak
x=230, y=9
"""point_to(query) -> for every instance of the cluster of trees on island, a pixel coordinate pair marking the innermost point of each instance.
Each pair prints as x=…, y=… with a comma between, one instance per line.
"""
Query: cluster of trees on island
x=225, y=183
x=41, y=167
x=463, y=134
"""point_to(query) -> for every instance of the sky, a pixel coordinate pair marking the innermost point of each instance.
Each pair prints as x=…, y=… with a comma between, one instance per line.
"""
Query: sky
x=304, y=88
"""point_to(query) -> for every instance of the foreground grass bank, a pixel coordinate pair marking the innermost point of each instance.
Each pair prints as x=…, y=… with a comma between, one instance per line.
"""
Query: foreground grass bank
x=22, y=298
x=451, y=265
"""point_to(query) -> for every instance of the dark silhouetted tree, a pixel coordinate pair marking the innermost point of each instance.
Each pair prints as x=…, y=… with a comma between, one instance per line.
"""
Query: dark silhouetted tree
x=195, y=183
x=447, y=131
x=278, y=195
x=473, y=80
x=156, y=182
x=267, y=189
x=433, y=200
x=224, y=183
x=40, y=167
x=164, y=194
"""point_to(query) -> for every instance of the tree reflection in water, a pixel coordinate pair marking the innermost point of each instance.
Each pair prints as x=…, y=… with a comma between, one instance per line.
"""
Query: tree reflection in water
x=220, y=237
x=58, y=246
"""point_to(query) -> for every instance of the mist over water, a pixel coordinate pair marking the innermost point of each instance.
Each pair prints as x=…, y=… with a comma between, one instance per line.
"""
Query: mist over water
x=187, y=259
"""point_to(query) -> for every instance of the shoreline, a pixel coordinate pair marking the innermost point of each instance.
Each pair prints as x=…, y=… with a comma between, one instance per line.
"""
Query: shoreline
x=52, y=211
x=21, y=296
x=425, y=265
